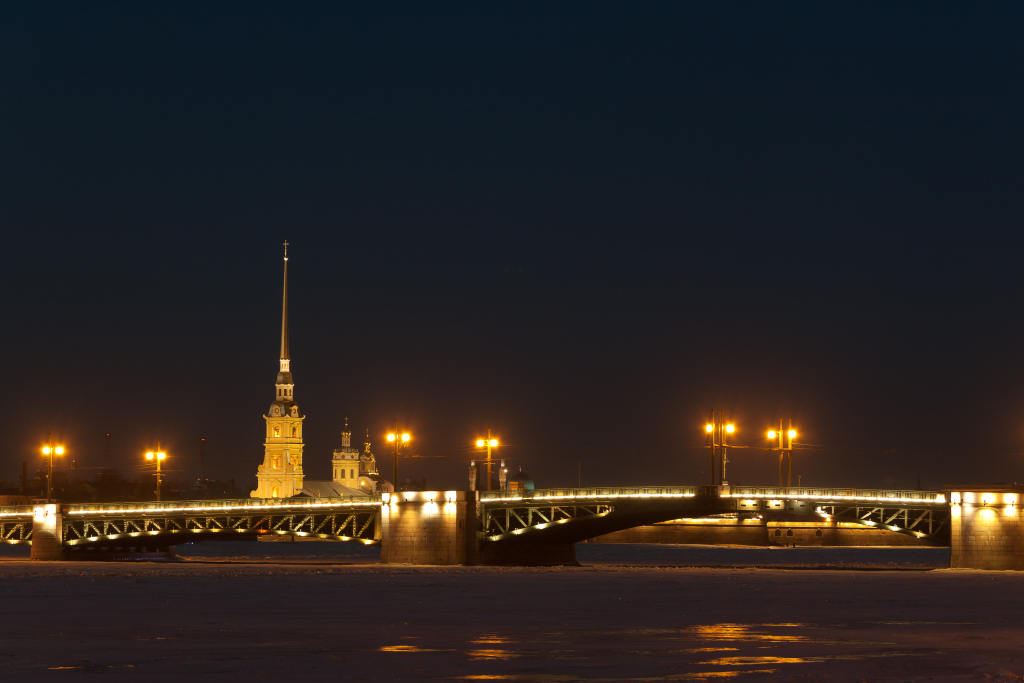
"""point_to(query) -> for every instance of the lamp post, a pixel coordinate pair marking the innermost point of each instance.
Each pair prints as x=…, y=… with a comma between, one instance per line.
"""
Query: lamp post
x=785, y=446
x=719, y=431
x=159, y=456
x=489, y=443
x=398, y=439
x=50, y=450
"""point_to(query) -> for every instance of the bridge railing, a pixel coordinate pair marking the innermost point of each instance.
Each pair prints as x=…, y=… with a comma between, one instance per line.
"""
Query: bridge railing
x=876, y=495
x=16, y=511
x=592, y=492
x=243, y=505
x=822, y=494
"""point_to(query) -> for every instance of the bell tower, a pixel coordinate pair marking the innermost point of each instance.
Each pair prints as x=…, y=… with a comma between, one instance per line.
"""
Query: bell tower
x=345, y=463
x=280, y=475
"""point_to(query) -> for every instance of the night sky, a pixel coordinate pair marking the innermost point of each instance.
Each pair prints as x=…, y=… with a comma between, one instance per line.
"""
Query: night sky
x=583, y=225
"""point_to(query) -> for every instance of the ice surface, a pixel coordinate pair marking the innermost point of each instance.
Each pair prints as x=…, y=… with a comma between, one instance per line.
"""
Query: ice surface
x=318, y=619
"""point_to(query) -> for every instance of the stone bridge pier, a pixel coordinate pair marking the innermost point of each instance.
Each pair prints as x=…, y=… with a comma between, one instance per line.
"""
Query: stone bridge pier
x=442, y=528
x=47, y=532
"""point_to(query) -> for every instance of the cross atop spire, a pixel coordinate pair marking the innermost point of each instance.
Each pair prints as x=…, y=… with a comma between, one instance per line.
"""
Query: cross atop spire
x=286, y=250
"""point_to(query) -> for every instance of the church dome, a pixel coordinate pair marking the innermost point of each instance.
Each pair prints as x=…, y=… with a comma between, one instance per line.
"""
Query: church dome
x=521, y=481
x=284, y=377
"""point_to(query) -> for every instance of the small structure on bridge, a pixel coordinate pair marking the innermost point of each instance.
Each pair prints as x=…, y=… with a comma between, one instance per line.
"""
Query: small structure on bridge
x=985, y=523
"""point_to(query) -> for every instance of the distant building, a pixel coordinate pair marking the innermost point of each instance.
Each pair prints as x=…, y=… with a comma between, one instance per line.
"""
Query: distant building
x=357, y=470
x=280, y=475
x=520, y=481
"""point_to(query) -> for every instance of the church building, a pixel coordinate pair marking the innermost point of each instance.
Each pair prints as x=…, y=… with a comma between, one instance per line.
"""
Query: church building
x=281, y=475
x=355, y=469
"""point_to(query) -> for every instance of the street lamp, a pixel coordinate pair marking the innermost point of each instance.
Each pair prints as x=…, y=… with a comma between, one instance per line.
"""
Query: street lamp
x=488, y=443
x=50, y=450
x=159, y=456
x=785, y=437
x=399, y=439
x=719, y=431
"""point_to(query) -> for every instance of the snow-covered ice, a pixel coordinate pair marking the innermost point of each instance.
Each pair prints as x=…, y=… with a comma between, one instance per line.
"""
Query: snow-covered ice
x=319, y=617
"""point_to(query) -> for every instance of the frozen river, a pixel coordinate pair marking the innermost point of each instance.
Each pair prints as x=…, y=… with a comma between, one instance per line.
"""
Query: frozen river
x=323, y=611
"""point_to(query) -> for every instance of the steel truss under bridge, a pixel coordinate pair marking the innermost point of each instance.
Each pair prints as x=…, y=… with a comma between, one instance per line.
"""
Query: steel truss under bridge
x=573, y=515
x=156, y=525
x=16, y=527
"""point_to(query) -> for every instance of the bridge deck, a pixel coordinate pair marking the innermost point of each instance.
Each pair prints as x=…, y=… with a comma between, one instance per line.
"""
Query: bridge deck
x=571, y=514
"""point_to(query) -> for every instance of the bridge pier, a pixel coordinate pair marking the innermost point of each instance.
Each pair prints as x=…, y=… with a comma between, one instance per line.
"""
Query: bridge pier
x=441, y=528
x=47, y=532
x=429, y=527
x=986, y=528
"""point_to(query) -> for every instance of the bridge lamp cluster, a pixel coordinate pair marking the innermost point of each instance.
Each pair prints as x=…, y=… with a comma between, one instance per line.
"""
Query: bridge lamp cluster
x=404, y=438
x=729, y=428
x=56, y=450
x=772, y=433
x=158, y=455
x=480, y=443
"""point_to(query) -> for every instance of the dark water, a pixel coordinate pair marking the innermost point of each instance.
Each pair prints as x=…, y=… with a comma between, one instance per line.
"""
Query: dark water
x=609, y=554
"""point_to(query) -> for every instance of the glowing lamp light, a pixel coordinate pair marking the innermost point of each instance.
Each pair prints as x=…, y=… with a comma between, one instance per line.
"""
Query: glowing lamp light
x=730, y=428
x=479, y=443
x=792, y=433
x=492, y=443
x=391, y=437
x=405, y=438
x=771, y=434
x=57, y=450
x=708, y=428
x=150, y=456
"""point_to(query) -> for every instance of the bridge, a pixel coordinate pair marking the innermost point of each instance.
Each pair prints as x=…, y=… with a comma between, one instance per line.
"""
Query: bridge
x=453, y=527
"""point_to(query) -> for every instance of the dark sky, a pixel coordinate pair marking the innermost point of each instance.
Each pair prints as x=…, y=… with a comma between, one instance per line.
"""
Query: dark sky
x=581, y=224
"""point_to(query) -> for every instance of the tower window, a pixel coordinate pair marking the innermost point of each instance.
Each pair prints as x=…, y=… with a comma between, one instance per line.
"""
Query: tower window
x=277, y=431
x=351, y=474
x=342, y=472
x=294, y=432
x=275, y=492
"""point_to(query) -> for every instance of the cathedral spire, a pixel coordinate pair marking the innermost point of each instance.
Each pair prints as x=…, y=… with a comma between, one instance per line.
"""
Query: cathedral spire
x=284, y=314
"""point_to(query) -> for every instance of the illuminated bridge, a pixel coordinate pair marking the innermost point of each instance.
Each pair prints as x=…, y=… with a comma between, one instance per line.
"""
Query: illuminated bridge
x=567, y=516
x=454, y=527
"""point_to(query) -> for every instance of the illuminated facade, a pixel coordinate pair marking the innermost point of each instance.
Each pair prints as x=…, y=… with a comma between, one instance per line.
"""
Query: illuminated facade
x=357, y=470
x=280, y=475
